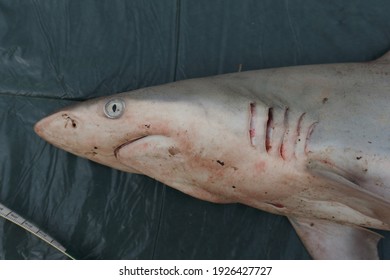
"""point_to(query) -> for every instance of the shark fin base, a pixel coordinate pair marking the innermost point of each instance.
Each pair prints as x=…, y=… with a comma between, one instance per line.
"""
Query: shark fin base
x=328, y=240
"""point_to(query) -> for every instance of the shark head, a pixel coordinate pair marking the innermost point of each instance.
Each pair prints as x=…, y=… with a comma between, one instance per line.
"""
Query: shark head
x=264, y=138
x=180, y=134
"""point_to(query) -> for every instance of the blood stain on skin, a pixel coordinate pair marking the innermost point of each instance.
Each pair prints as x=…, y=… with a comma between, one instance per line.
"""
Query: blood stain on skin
x=277, y=205
x=260, y=166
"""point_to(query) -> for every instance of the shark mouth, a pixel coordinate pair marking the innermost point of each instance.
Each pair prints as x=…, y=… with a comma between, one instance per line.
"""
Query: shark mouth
x=127, y=143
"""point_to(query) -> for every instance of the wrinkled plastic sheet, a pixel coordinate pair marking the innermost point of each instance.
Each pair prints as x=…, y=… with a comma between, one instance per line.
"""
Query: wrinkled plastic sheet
x=55, y=53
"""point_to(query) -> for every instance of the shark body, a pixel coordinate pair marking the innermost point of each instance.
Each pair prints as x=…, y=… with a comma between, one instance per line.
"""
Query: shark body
x=308, y=142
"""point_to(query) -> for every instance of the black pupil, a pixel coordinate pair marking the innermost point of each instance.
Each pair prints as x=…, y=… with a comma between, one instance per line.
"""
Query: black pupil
x=114, y=108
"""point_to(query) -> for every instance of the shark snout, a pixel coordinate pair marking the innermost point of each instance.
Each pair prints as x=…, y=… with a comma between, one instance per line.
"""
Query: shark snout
x=56, y=125
x=40, y=127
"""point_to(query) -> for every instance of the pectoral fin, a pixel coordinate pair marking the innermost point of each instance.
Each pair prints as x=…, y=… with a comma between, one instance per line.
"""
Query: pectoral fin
x=345, y=188
x=328, y=240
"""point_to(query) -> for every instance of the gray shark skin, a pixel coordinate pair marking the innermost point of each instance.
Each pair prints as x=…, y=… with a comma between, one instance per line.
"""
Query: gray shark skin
x=311, y=143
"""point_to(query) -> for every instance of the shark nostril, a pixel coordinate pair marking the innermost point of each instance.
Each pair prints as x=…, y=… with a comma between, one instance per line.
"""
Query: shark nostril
x=68, y=120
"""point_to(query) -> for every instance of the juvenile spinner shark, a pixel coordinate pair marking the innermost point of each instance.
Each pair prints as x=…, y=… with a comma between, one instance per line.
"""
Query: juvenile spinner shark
x=311, y=143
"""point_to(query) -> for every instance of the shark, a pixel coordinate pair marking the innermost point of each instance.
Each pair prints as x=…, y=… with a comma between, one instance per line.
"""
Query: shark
x=309, y=142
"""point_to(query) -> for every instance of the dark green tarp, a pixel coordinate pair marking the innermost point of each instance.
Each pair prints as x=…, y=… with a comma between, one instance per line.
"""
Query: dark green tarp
x=54, y=53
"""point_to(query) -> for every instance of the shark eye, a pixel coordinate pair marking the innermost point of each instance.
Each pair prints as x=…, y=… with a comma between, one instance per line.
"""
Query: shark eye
x=114, y=108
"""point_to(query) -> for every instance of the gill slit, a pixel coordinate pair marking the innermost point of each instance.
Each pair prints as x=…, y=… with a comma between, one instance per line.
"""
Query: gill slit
x=278, y=137
x=269, y=129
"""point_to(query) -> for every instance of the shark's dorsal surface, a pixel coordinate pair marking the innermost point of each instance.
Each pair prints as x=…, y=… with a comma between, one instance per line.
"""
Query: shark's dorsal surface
x=308, y=142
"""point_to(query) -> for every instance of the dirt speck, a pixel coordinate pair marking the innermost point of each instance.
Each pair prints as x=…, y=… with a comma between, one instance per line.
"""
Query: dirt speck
x=173, y=151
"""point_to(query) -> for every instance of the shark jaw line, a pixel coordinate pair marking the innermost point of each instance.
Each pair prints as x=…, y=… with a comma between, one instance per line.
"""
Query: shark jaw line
x=117, y=149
